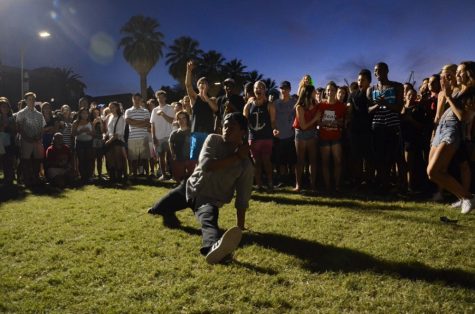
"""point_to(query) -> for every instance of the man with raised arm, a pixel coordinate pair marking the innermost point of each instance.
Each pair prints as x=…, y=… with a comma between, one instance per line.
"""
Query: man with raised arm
x=203, y=110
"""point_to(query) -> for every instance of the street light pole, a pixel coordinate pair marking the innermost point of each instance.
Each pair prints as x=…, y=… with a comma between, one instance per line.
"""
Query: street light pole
x=22, y=69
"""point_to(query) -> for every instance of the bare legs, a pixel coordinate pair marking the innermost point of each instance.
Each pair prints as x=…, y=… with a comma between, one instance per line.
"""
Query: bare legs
x=439, y=159
x=302, y=147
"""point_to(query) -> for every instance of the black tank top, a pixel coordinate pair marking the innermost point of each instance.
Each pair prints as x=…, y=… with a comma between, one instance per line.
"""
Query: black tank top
x=202, y=117
x=260, y=127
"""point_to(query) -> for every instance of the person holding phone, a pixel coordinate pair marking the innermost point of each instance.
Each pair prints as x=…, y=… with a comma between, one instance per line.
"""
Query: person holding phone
x=387, y=98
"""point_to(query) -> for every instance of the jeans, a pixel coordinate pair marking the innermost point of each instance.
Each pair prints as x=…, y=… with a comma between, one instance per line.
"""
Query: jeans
x=207, y=214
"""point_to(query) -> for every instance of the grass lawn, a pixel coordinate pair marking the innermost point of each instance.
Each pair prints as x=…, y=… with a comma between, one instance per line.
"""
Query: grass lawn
x=95, y=249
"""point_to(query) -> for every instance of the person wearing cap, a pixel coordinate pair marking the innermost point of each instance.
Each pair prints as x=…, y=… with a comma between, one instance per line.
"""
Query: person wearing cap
x=229, y=102
x=284, y=147
x=224, y=169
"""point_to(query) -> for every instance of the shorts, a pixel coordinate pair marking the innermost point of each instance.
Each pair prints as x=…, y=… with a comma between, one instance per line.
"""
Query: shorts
x=162, y=147
x=284, y=151
x=138, y=149
x=197, y=141
x=449, y=132
x=261, y=148
x=301, y=135
x=324, y=143
x=31, y=149
x=112, y=144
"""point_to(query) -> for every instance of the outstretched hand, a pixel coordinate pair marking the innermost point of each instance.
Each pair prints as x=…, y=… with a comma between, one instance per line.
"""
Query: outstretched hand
x=190, y=66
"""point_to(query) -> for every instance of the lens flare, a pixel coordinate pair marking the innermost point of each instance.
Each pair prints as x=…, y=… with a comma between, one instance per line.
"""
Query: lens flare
x=54, y=15
x=102, y=48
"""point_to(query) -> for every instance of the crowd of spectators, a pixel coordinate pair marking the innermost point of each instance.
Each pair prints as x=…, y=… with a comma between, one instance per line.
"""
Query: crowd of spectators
x=384, y=136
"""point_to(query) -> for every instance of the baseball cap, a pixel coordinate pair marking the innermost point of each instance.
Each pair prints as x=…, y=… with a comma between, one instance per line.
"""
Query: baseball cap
x=285, y=84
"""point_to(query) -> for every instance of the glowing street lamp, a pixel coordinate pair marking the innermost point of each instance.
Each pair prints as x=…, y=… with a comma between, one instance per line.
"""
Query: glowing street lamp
x=42, y=35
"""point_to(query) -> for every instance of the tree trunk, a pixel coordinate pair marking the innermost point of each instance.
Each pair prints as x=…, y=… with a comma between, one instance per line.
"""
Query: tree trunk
x=143, y=85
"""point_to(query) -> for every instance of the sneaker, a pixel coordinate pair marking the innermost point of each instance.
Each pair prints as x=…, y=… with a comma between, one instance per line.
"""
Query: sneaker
x=224, y=246
x=456, y=204
x=467, y=205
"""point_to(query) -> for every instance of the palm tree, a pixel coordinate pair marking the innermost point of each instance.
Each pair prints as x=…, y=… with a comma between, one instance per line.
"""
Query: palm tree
x=270, y=84
x=235, y=70
x=253, y=76
x=211, y=64
x=143, y=46
x=72, y=83
x=62, y=84
x=182, y=50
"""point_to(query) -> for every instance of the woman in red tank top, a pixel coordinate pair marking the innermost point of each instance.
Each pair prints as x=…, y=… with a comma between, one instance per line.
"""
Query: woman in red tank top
x=331, y=126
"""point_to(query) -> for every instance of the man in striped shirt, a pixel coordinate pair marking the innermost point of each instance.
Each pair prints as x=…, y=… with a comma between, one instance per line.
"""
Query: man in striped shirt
x=387, y=97
x=137, y=117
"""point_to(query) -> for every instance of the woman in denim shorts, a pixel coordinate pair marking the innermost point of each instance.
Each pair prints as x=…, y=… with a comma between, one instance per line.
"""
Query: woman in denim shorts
x=305, y=122
x=448, y=135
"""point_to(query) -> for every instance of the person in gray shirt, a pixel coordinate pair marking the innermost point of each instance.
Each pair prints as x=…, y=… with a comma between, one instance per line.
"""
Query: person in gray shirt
x=284, y=154
x=224, y=168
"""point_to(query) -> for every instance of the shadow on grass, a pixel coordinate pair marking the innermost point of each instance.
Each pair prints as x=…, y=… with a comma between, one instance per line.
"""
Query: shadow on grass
x=303, y=200
x=12, y=192
x=321, y=258
x=15, y=192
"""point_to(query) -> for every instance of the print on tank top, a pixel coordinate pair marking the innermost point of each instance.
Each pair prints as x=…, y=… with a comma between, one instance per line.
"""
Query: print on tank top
x=258, y=113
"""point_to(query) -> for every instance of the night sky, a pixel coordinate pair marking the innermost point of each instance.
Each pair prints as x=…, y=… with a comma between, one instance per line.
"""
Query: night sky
x=330, y=40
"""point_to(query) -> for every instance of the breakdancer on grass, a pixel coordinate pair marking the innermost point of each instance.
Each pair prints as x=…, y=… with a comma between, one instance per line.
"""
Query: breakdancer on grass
x=224, y=167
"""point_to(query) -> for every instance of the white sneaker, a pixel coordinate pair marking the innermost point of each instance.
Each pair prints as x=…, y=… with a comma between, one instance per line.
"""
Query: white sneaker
x=224, y=246
x=456, y=204
x=467, y=205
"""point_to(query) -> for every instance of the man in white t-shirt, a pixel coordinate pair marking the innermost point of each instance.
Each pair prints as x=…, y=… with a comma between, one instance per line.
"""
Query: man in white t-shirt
x=137, y=118
x=161, y=120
